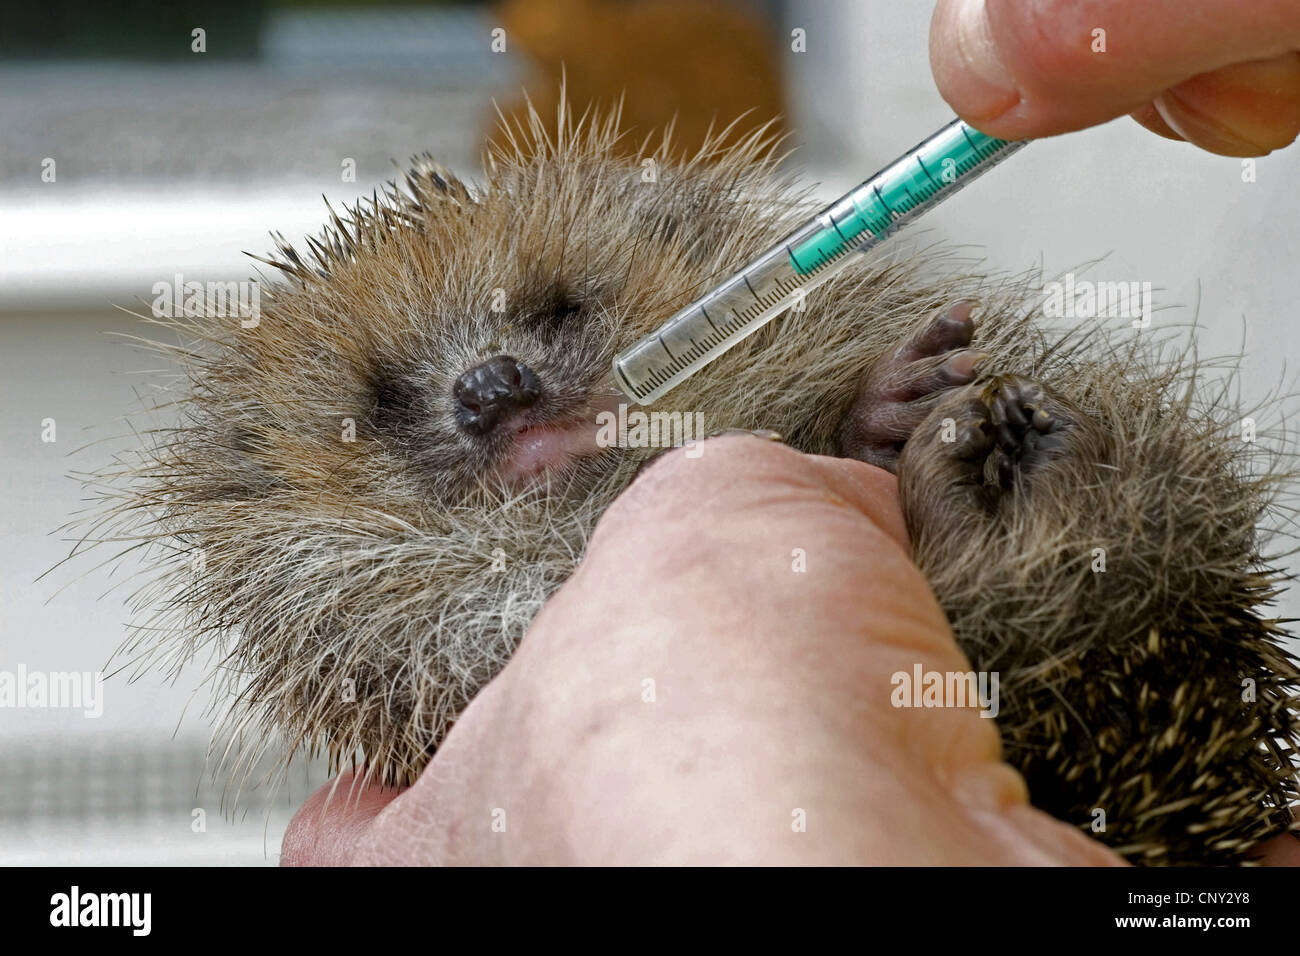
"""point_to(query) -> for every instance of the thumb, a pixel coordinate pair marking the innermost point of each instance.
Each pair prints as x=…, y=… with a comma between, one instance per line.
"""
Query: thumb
x=1218, y=73
x=327, y=828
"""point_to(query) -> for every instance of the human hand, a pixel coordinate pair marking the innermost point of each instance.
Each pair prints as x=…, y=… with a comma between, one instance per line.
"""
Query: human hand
x=771, y=697
x=1221, y=74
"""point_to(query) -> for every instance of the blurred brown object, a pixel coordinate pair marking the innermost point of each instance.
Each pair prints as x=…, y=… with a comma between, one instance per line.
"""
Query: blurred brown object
x=699, y=63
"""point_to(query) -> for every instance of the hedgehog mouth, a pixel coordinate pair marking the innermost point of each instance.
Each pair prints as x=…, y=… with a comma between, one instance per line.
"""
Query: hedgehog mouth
x=538, y=447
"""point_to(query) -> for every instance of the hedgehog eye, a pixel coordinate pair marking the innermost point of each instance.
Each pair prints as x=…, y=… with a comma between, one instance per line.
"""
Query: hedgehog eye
x=392, y=400
x=561, y=312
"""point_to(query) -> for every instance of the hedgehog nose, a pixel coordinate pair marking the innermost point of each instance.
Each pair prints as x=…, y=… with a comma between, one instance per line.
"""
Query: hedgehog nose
x=489, y=393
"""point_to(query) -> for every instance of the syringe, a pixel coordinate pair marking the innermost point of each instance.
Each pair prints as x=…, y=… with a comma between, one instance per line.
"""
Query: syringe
x=921, y=178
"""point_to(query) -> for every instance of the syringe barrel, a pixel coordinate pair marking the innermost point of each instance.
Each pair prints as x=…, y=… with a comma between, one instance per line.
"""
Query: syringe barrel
x=813, y=253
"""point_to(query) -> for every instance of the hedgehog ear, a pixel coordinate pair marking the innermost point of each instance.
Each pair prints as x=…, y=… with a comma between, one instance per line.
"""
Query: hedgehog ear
x=429, y=180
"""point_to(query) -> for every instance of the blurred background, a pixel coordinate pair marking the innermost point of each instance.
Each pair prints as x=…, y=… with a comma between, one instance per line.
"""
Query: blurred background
x=135, y=149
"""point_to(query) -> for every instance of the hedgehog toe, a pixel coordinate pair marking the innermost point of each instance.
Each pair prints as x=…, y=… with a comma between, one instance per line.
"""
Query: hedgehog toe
x=902, y=389
x=1029, y=425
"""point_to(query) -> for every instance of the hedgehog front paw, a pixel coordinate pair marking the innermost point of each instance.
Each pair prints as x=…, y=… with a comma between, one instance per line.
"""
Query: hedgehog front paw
x=980, y=441
x=902, y=389
x=1029, y=425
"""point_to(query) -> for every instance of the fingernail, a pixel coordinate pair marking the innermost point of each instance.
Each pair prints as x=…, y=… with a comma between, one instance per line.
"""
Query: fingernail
x=1248, y=109
x=1209, y=134
x=1213, y=134
x=766, y=434
x=985, y=88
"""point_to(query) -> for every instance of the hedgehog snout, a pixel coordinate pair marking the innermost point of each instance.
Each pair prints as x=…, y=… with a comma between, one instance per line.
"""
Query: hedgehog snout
x=492, y=392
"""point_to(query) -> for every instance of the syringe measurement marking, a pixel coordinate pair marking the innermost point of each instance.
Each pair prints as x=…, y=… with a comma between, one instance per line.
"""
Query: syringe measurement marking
x=920, y=162
x=867, y=219
x=875, y=188
x=782, y=290
x=655, y=376
x=706, y=318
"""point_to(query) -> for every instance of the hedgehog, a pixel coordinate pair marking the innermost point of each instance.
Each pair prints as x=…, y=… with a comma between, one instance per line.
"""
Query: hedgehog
x=359, y=501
